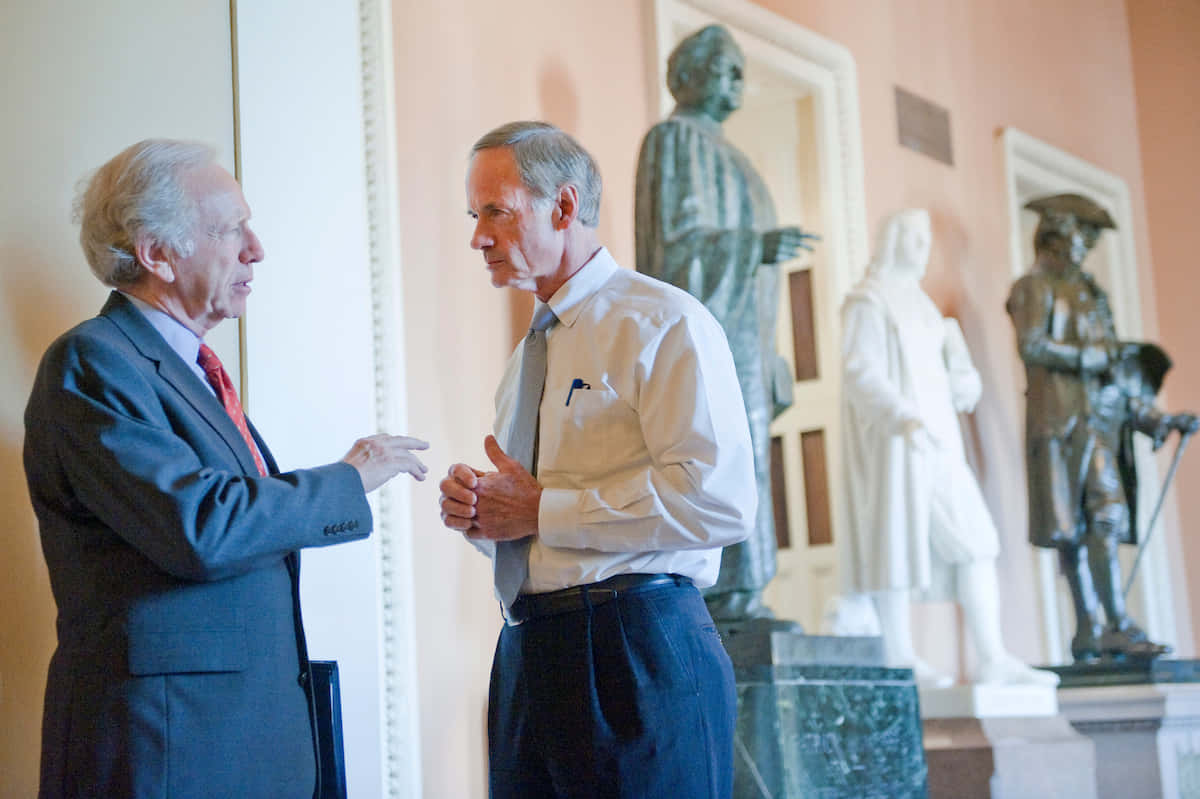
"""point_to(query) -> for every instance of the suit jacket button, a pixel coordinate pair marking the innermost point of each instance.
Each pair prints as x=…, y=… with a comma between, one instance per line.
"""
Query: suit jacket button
x=303, y=679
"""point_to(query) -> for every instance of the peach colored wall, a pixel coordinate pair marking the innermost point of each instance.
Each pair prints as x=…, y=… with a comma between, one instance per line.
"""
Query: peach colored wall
x=1060, y=71
x=76, y=96
x=1165, y=38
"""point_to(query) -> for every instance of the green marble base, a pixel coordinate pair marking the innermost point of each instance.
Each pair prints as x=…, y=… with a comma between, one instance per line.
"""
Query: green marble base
x=824, y=730
x=1126, y=672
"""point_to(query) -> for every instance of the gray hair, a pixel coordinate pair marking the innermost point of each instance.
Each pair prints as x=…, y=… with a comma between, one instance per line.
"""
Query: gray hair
x=139, y=193
x=549, y=159
x=694, y=53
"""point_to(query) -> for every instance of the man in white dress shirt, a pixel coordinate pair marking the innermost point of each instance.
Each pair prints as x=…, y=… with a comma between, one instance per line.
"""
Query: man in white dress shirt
x=609, y=677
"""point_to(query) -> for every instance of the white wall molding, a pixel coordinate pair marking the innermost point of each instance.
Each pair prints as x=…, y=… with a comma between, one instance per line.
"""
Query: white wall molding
x=401, y=720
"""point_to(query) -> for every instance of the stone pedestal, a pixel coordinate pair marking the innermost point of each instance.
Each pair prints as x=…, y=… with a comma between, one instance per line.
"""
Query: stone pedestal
x=1147, y=733
x=1009, y=758
x=988, y=701
x=1003, y=742
x=820, y=717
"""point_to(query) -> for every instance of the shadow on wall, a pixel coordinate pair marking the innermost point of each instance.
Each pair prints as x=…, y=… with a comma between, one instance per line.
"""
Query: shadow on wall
x=32, y=314
x=947, y=262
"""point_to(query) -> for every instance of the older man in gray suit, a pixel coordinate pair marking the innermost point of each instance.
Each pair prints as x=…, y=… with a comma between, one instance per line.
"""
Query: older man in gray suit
x=170, y=535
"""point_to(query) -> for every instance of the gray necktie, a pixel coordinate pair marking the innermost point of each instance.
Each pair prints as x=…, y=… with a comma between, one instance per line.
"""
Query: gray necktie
x=511, y=564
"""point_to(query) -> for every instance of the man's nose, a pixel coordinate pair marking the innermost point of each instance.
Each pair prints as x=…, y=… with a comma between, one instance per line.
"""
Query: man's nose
x=480, y=238
x=253, y=252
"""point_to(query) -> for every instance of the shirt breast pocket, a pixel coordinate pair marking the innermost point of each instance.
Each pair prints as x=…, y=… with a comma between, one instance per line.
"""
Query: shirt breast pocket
x=596, y=433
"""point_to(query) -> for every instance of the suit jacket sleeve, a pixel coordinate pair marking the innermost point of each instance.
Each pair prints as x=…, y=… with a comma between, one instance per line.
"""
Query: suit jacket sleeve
x=113, y=445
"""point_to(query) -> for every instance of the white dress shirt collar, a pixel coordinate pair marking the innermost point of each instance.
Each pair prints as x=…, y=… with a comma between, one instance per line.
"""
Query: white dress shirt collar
x=568, y=301
x=179, y=338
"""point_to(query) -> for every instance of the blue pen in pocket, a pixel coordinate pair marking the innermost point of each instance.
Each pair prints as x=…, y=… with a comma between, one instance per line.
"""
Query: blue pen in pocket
x=576, y=383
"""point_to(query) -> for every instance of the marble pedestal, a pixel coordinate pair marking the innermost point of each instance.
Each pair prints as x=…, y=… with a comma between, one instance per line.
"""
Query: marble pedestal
x=1147, y=733
x=820, y=717
x=1003, y=742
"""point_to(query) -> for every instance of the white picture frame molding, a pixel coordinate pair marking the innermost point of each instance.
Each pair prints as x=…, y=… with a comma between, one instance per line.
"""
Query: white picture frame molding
x=1033, y=167
x=401, y=718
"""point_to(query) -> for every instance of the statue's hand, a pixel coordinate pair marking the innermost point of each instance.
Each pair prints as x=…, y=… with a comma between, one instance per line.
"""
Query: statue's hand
x=1095, y=358
x=1185, y=423
x=783, y=244
x=918, y=436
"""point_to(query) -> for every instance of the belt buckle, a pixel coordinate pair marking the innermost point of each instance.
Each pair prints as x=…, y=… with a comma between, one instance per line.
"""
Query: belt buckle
x=593, y=596
x=509, y=619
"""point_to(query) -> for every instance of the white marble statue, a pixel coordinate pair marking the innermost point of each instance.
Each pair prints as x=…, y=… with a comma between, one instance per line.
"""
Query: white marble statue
x=918, y=526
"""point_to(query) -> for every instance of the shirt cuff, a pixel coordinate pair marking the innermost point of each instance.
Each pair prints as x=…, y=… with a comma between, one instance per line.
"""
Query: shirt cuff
x=558, y=517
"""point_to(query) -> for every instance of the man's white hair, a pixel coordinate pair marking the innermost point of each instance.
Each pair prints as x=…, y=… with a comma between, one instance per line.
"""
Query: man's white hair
x=140, y=193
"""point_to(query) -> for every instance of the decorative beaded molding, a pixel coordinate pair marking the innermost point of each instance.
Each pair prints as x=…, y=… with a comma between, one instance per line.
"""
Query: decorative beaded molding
x=401, y=744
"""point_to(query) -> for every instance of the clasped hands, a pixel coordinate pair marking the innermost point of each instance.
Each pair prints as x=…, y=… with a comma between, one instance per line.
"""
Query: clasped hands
x=496, y=506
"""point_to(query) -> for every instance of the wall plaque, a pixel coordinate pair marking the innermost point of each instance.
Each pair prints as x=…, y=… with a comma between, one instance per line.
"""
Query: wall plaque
x=923, y=126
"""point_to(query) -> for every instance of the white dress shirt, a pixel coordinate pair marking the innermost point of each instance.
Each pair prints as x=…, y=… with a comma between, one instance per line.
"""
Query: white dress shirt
x=648, y=468
x=184, y=342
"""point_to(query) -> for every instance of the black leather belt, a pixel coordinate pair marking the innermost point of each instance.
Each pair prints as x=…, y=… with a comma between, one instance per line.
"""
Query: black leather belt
x=578, y=597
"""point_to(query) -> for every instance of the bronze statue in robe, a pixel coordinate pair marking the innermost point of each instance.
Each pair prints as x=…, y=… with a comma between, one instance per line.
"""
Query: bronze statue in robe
x=705, y=222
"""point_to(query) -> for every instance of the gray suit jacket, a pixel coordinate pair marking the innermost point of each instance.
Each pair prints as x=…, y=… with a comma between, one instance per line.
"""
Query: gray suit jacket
x=181, y=667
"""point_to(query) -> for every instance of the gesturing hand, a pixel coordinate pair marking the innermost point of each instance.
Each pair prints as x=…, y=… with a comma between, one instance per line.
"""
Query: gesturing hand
x=782, y=244
x=381, y=457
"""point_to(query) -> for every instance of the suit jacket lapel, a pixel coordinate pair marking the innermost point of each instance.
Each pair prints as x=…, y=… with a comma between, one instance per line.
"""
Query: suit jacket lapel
x=268, y=458
x=176, y=373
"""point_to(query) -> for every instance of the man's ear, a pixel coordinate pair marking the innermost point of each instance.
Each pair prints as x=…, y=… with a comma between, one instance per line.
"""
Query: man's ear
x=566, y=207
x=154, y=257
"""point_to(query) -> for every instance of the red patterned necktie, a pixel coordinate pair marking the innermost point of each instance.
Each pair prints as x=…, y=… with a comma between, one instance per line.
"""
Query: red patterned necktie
x=218, y=378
